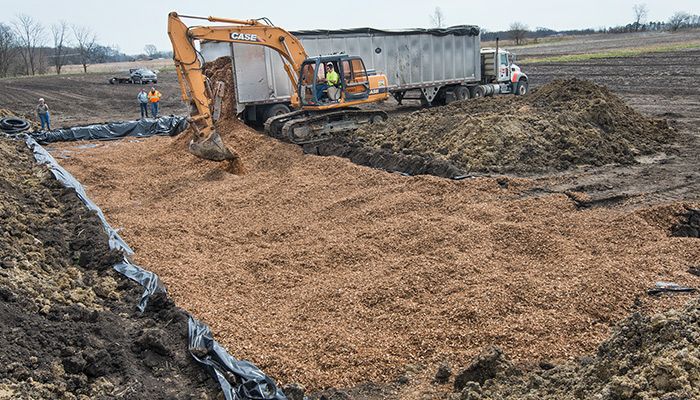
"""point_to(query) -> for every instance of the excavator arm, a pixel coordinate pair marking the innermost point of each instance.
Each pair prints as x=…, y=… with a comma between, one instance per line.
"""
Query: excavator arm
x=206, y=142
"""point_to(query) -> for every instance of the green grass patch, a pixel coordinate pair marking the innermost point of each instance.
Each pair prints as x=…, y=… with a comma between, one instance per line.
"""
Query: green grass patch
x=617, y=53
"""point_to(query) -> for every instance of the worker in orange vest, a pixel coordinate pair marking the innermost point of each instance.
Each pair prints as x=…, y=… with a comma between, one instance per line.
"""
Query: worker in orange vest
x=154, y=98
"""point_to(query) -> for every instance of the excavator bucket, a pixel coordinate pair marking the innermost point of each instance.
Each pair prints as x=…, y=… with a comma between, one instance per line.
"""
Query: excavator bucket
x=211, y=148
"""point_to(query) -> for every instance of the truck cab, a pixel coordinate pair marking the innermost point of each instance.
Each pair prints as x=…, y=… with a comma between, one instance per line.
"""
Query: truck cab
x=498, y=68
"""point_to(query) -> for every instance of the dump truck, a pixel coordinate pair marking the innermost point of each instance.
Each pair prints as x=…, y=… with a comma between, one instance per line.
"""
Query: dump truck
x=435, y=66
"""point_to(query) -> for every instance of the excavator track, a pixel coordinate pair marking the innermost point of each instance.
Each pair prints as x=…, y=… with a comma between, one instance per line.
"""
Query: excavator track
x=273, y=125
x=308, y=127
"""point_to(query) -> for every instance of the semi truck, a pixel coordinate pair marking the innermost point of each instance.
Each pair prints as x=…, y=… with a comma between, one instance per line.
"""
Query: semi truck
x=435, y=66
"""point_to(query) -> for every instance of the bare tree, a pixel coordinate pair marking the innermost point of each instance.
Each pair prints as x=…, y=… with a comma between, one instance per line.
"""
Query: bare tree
x=437, y=18
x=59, y=32
x=85, y=40
x=677, y=20
x=8, y=48
x=640, y=15
x=31, y=36
x=518, y=31
x=151, y=50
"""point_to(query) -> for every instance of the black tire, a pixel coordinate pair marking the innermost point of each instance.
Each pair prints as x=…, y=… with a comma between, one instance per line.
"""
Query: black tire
x=13, y=125
x=521, y=88
x=461, y=93
x=113, y=81
x=155, y=81
x=275, y=110
x=477, y=92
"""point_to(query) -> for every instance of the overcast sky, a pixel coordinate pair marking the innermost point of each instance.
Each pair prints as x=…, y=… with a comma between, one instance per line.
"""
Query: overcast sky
x=131, y=25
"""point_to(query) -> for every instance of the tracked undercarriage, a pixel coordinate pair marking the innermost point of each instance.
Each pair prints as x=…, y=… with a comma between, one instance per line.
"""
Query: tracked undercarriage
x=304, y=127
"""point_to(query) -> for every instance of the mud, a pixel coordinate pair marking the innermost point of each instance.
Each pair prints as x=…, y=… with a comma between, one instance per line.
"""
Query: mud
x=647, y=357
x=69, y=327
x=564, y=124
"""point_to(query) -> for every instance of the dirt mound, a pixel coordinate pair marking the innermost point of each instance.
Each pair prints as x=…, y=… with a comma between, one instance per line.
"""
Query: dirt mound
x=647, y=357
x=68, y=323
x=562, y=124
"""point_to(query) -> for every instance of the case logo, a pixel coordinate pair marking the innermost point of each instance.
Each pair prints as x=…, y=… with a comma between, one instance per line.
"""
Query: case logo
x=249, y=37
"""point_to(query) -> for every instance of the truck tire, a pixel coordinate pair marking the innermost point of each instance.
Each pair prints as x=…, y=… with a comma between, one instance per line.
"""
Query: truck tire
x=461, y=93
x=477, y=92
x=521, y=88
x=275, y=110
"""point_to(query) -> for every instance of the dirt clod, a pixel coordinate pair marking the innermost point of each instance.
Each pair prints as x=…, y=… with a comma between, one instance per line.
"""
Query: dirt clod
x=486, y=365
x=443, y=373
x=689, y=224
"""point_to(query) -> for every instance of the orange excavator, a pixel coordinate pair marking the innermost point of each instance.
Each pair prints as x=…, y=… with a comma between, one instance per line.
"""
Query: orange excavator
x=325, y=104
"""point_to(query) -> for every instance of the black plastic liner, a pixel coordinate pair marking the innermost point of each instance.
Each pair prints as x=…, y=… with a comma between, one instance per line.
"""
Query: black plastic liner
x=239, y=380
x=458, y=30
x=167, y=126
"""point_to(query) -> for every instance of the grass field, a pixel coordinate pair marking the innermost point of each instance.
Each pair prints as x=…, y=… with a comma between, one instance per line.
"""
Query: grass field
x=626, y=52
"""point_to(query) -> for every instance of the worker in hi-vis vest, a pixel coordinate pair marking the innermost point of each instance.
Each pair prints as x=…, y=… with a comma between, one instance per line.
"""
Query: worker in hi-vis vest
x=154, y=98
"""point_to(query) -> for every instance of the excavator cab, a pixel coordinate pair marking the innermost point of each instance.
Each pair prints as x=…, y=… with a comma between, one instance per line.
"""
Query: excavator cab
x=353, y=85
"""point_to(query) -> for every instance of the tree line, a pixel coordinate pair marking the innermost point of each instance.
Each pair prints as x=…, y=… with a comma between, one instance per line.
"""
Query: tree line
x=27, y=47
x=519, y=32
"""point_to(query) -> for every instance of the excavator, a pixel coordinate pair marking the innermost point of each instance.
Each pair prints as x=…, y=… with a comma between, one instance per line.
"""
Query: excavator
x=322, y=109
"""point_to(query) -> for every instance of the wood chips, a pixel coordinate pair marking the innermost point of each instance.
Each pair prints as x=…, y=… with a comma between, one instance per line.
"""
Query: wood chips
x=331, y=274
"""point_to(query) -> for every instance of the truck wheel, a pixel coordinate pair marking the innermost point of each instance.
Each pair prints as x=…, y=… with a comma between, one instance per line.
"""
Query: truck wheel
x=461, y=93
x=477, y=91
x=521, y=88
x=113, y=81
x=275, y=110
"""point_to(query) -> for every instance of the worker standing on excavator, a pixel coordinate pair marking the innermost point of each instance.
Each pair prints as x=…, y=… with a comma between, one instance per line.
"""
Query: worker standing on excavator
x=332, y=80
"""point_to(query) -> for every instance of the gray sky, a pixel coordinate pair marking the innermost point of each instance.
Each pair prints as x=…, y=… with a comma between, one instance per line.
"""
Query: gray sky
x=131, y=25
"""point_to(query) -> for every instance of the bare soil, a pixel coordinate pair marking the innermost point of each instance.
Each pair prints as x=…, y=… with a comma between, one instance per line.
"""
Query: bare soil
x=69, y=327
x=586, y=44
x=84, y=99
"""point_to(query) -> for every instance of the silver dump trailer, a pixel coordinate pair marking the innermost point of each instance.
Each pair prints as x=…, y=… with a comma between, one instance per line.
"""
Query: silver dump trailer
x=432, y=65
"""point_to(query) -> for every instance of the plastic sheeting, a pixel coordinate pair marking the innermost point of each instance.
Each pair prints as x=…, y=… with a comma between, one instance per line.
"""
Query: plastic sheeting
x=167, y=126
x=250, y=382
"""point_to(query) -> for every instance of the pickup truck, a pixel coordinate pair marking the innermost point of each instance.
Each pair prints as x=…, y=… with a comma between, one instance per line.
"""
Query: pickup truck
x=137, y=76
